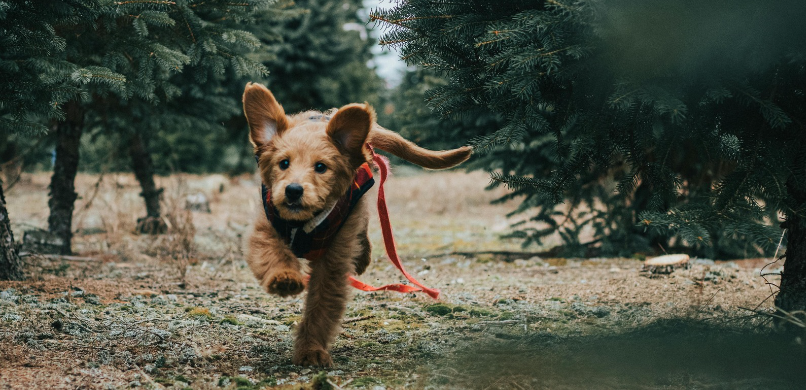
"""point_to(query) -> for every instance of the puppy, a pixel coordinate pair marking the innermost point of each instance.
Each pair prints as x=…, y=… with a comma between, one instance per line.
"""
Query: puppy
x=314, y=168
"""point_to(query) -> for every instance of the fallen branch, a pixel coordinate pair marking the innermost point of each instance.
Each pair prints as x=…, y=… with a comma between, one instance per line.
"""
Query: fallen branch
x=356, y=319
x=59, y=257
x=245, y=317
x=502, y=322
x=495, y=253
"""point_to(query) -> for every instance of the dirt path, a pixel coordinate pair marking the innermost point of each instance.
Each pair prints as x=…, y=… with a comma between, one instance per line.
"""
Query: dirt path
x=128, y=318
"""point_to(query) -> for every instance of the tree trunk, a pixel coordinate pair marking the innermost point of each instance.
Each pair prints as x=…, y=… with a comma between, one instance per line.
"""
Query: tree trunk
x=143, y=168
x=792, y=296
x=10, y=263
x=62, y=184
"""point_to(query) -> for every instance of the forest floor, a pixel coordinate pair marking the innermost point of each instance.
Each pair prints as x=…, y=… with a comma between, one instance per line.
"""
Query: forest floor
x=182, y=309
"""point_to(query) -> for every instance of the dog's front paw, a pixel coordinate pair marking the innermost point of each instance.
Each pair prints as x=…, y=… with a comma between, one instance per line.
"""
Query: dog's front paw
x=285, y=283
x=312, y=357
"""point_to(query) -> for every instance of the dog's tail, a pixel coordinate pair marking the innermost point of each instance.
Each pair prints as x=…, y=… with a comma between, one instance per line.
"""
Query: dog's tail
x=392, y=142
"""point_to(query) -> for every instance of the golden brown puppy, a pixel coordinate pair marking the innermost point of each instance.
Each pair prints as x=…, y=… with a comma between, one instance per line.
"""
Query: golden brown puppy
x=313, y=167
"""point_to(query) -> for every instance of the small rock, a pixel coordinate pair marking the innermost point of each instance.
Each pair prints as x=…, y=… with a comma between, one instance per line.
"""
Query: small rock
x=600, y=311
x=703, y=262
x=8, y=295
x=250, y=369
x=41, y=241
x=144, y=292
x=536, y=260
x=520, y=263
x=197, y=202
x=282, y=328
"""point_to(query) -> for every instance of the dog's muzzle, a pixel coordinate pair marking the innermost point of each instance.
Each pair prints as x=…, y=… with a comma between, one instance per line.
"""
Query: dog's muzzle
x=293, y=193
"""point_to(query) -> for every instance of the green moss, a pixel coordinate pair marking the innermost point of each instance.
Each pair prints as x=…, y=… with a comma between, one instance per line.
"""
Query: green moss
x=365, y=381
x=439, y=309
x=270, y=381
x=319, y=382
x=444, y=309
x=506, y=315
x=230, y=320
x=240, y=381
x=164, y=381
x=181, y=378
x=480, y=313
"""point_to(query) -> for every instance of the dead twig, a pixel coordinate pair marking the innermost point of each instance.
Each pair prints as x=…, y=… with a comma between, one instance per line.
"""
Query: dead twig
x=495, y=253
x=502, y=322
x=356, y=319
x=791, y=317
x=775, y=260
x=148, y=378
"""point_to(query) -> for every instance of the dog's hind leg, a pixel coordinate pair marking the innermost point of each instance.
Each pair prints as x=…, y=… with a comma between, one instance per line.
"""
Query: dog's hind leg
x=364, y=257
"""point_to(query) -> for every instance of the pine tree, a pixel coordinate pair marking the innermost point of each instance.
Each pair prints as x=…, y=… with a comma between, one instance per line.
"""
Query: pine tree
x=129, y=59
x=10, y=262
x=317, y=54
x=690, y=133
x=321, y=57
x=33, y=87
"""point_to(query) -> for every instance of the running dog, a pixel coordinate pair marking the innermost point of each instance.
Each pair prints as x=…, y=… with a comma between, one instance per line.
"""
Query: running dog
x=315, y=168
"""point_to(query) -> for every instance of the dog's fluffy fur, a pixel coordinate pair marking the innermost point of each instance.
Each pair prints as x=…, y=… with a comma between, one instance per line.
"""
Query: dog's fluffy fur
x=339, y=143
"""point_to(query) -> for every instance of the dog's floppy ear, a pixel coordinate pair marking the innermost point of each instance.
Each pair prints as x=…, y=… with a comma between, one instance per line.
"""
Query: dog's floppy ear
x=350, y=127
x=265, y=116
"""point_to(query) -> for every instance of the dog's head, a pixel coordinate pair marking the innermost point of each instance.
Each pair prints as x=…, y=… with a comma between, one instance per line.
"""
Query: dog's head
x=307, y=160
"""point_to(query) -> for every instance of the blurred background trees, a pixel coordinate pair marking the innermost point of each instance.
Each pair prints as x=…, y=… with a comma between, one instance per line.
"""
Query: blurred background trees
x=656, y=125
x=625, y=128
x=155, y=86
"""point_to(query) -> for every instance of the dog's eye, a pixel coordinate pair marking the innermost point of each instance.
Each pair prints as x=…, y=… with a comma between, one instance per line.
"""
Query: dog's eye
x=284, y=164
x=320, y=168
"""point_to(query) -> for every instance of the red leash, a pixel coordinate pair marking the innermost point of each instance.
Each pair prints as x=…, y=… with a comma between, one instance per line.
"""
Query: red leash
x=389, y=242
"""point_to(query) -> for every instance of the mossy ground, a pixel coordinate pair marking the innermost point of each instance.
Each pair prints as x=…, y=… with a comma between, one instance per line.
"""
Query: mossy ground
x=134, y=316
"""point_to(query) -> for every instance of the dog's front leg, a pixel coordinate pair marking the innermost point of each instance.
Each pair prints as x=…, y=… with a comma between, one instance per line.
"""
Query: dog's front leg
x=324, y=309
x=328, y=290
x=272, y=262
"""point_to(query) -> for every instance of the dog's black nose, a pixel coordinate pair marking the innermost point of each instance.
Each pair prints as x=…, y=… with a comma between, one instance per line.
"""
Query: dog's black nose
x=293, y=192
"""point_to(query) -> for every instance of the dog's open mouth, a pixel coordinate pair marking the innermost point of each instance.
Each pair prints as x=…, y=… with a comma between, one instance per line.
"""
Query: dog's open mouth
x=293, y=207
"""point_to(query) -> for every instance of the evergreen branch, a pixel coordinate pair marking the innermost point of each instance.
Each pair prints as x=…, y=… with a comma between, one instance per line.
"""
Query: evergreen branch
x=480, y=44
x=145, y=2
x=398, y=21
x=378, y=18
x=394, y=42
x=192, y=36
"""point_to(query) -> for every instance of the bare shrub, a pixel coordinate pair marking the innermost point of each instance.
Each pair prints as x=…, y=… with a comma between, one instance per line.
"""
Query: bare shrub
x=177, y=246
